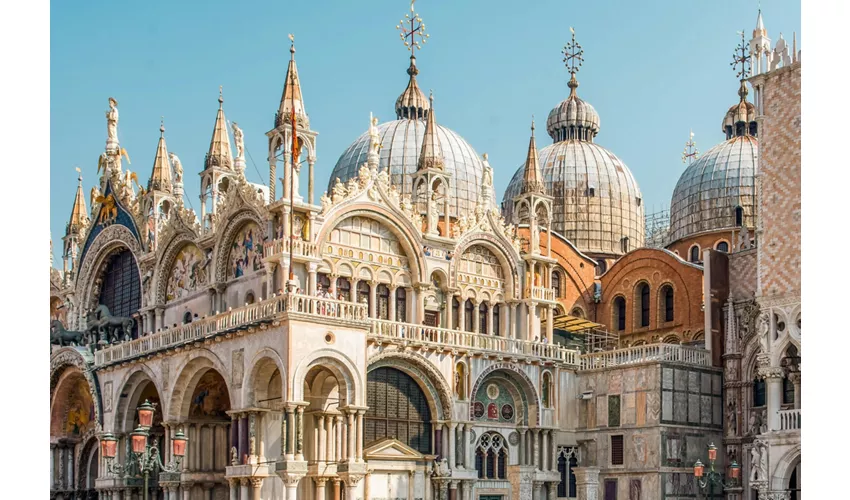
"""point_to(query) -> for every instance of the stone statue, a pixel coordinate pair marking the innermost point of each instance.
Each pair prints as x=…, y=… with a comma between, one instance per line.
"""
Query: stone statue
x=234, y=456
x=62, y=337
x=237, y=138
x=112, y=121
x=177, y=167
x=95, y=194
x=732, y=418
x=326, y=203
x=488, y=177
x=758, y=462
x=374, y=138
x=339, y=191
x=763, y=328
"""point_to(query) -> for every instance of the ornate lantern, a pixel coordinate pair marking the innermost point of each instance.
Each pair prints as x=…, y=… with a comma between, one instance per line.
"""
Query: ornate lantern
x=146, y=414
x=734, y=470
x=139, y=440
x=108, y=445
x=178, y=444
x=698, y=468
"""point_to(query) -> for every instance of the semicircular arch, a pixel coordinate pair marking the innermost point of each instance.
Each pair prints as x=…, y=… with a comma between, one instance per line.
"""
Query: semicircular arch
x=342, y=367
x=202, y=361
x=236, y=223
x=521, y=380
x=431, y=381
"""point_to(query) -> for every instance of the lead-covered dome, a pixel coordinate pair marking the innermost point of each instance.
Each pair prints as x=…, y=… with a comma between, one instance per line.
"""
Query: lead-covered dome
x=596, y=201
x=717, y=191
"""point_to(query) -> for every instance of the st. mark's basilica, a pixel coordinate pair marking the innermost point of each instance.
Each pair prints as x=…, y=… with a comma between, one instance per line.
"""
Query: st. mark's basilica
x=407, y=336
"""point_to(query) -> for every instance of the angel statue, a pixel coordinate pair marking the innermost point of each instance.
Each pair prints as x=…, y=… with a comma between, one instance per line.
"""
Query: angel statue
x=112, y=121
x=95, y=194
x=238, y=139
x=177, y=167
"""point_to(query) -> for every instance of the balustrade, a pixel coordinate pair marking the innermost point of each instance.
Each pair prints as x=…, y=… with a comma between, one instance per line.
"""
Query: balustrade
x=300, y=247
x=646, y=353
x=789, y=420
x=543, y=293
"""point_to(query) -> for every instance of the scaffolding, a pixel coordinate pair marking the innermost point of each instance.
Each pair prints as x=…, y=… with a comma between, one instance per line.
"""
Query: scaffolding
x=657, y=225
x=578, y=333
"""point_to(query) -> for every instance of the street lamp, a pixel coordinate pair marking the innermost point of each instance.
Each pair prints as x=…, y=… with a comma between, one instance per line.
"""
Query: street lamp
x=707, y=478
x=145, y=455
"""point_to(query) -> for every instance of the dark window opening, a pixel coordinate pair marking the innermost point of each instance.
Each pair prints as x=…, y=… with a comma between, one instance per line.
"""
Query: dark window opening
x=482, y=318
x=723, y=247
x=556, y=283
x=787, y=391
x=497, y=322
x=343, y=289
x=617, y=449
x=601, y=267
x=739, y=216
x=668, y=303
x=469, y=308
x=383, y=293
x=620, y=310
x=759, y=396
x=187, y=317
x=644, y=305
x=401, y=305
x=455, y=313
x=694, y=253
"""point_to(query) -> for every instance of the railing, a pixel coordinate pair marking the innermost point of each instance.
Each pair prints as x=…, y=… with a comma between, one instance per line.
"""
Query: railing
x=789, y=420
x=543, y=293
x=231, y=320
x=301, y=248
x=474, y=341
x=646, y=353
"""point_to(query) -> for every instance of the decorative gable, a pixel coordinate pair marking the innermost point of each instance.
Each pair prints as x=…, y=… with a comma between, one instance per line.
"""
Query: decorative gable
x=391, y=449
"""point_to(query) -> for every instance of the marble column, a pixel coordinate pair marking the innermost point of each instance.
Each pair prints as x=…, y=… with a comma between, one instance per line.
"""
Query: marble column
x=535, y=448
x=373, y=299
x=332, y=278
x=392, y=313
x=311, y=280
x=234, y=488
x=244, y=489
x=467, y=464
x=331, y=439
x=587, y=482
x=352, y=434
x=290, y=433
x=452, y=439
x=256, y=487
x=360, y=414
x=321, y=447
x=299, y=433
x=544, y=460
x=773, y=379
x=796, y=379
x=452, y=490
x=461, y=322
x=476, y=316
x=550, y=324
x=491, y=328
x=185, y=487
x=522, y=447
x=337, y=493
x=512, y=326
x=320, y=487
x=339, y=440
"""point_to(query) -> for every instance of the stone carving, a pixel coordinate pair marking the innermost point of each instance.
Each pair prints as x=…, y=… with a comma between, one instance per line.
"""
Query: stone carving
x=112, y=122
x=177, y=167
x=758, y=461
x=238, y=367
x=763, y=328
x=234, y=456
x=374, y=138
x=106, y=328
x=62, y=337
x=239, y=140
x=732, y=418
x=107, y=397
x=513, y=438
x=441, y=468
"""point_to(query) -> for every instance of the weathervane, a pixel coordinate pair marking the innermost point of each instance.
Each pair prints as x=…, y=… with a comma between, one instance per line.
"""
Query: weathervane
x=742, y=57
x=416, y=29
x=690, y=154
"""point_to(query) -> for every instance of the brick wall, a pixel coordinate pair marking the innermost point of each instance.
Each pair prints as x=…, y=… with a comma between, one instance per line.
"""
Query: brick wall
x=779, y=250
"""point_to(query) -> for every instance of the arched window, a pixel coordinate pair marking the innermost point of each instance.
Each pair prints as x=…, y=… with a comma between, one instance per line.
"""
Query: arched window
x=455, y=313
x=497, y=321
x=759, y=396
x=620, y=313
x=363, y=295
x=482, y=318
x=787, y=391
x=567, y=485
x=460, y=381
x=643, y=292
x=601, y=267
x=401, y=304
x=187, y=317
x=722, y=247
x=546, y=390
x=323, y=282
x=694, y=253
x=121, y=291
x=739, y=216
x=397, y=409
x=343, y=289
x=624, y=244
x=249, y=298
x=491, y=456
x=383, y=293
x=556, y=283
x=667, y=294
x=469, y=308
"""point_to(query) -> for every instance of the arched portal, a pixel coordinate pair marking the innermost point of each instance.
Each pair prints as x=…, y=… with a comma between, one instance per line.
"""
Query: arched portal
x=121, y=289
x=73, y=423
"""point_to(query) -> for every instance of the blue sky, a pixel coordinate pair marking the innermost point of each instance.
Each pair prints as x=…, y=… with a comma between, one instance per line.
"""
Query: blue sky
x=653, y=70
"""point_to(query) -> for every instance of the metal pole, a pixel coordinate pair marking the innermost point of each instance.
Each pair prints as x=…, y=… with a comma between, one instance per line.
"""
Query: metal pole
x=146, y=482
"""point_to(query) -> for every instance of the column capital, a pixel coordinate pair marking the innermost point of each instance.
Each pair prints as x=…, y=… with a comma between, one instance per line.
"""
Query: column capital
x=320, y=480
x=795, y=377
x=256, y=482
x=771, y=372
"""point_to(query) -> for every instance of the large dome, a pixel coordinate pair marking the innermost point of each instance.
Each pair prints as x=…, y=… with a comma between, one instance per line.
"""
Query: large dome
x=597, y=201
x=711, y=188
x=401, y=143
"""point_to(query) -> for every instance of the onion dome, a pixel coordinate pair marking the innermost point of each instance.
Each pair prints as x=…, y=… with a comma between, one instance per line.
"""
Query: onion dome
x=596, y=201
x=717, y=191
x=412, y=103
x=573, y=118
x=402, y=146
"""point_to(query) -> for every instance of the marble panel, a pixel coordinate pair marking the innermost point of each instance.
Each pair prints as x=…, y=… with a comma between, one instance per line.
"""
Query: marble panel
x=640, y=408
x=680, y=380
x=666, y=378
x=716, y=384
x=602, y=411
x=629, y=380
x=628, y=408
x=680, y=407
x=693, y=408
x=693, y=382
x=615, y=382
x=717, y=410
x=705, y=383
x=705, y=410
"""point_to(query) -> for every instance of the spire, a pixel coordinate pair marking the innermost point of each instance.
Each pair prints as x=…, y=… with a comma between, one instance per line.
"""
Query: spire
x=532, y=180
x=160, y=179
x=794, y=47
x=78, y=212
x=219, y=154
x=291, y=96
x=431, y=155
x=759, y=31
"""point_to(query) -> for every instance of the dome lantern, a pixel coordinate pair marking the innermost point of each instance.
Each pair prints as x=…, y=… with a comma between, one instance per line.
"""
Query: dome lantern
x=573, y=118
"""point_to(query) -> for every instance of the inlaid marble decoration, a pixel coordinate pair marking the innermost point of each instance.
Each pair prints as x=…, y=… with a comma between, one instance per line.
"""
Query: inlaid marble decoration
x=246, y=252
x=613, y=411
x=187, y=274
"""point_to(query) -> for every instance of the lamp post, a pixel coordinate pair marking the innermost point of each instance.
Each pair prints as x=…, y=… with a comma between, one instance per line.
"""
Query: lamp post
x=145, y=455
x=710, y=477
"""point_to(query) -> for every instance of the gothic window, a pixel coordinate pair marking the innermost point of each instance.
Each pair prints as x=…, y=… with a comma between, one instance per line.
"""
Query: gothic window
x=401, y=305
x=620, y=313
x=787, y=391
x=556, y=283
x=383, y=293
x=566, y=462
x=667, y=293
x=363, y=294
x=343, y=289
x=491, y=456
x=759, y=396
x=482, y=318
x=469, y=319
x=643, y=291
x=121, y=291
x=249, y=298
x=397, y=409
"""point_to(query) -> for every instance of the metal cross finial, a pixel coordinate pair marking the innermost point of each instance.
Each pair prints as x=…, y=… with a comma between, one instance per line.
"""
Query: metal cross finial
x=742, y=58
x=573, y=54
x=690, y=154
x=410, y=28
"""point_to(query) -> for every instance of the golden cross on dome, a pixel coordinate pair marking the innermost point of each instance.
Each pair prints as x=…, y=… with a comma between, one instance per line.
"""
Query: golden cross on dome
x=573, y=54
x=690, y=154
x=742, y=58
x=411, y=28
